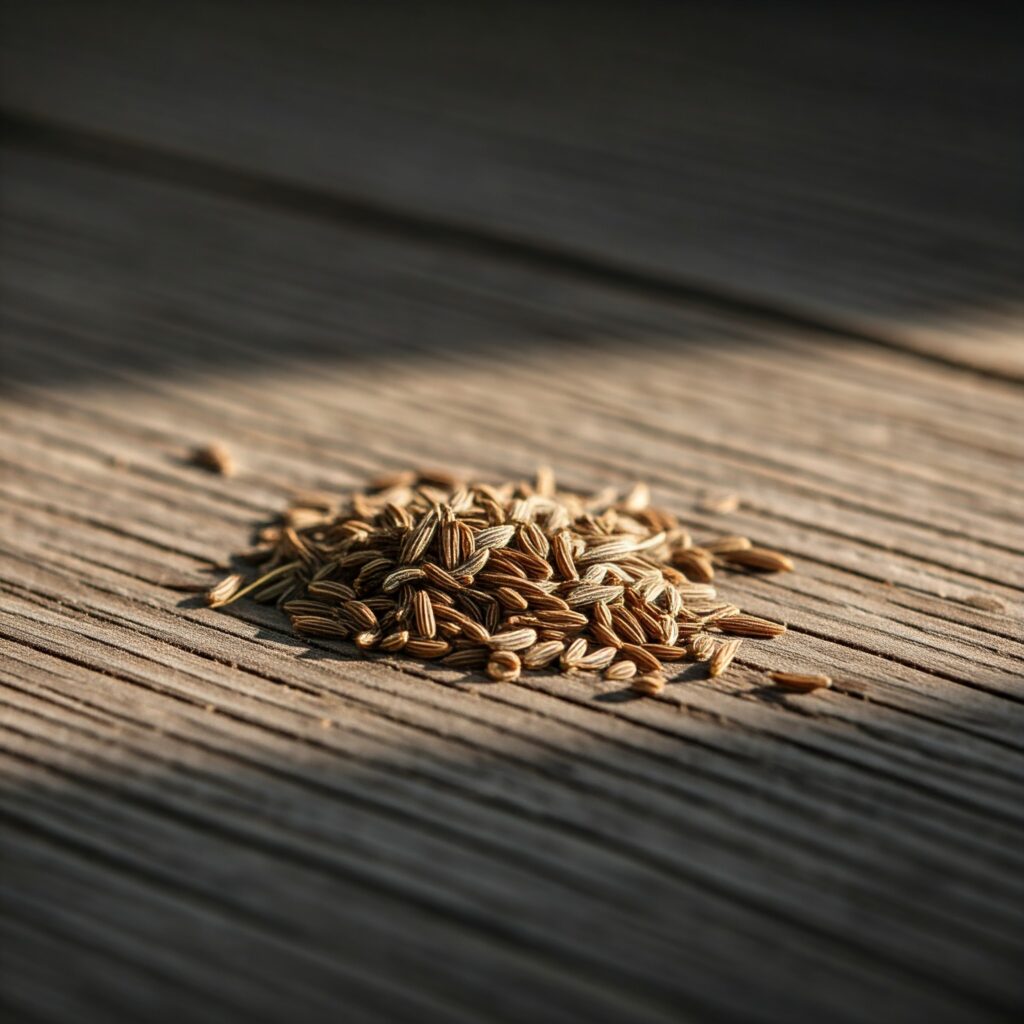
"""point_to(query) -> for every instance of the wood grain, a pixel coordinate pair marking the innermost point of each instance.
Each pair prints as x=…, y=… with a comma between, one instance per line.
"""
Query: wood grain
x=861, y=170
x=207, y=817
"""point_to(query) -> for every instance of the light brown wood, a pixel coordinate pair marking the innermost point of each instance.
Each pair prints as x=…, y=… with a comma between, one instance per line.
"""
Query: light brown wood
x=208, y=817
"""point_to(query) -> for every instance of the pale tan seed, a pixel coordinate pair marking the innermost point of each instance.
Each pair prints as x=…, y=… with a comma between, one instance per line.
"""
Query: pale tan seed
x=542, y=654
x=650, y=684
x=620, y=671
x=494, y=537
x=224, y=590
x=702, y=647
x=799, y=682
x=666, y=652
x=588, y=594
x=572, y=654
x=423, y=610
x=467, y=657
x=504, y=666
x=749, y=625
x=513, y=639
x=727, y=544
x=597, y=660
x=723, y=656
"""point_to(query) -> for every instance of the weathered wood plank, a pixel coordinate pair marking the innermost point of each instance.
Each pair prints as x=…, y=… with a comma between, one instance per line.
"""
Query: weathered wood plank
x=442, y=838
x=863, y=170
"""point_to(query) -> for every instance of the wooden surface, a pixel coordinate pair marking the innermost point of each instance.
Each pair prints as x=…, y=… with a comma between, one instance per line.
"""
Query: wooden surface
x=204, y=818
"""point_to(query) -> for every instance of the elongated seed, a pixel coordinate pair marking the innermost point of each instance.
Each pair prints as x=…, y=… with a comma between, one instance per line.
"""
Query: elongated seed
x=799, y=682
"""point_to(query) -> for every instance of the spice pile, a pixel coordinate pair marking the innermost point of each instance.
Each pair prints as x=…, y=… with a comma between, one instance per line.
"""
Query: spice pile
x=506, y=578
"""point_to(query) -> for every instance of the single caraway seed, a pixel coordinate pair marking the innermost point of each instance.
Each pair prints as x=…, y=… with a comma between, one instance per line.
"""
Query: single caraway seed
x=650, y=684
x=620, y=671
x=799, y=682
x=504, y=666
x=505, y=577
x=758, y=558
x=722, y=658
x=215, y=457
x=749, y=625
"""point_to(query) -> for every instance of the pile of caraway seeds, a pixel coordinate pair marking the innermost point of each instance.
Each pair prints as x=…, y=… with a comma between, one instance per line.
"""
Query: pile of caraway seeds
x=511, y=577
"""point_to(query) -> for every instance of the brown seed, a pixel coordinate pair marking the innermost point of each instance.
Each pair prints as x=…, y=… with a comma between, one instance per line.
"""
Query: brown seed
x=666, y=652
x=645, y=661
x=427, y=649
x=423, y=610
x=360, y=614
x=722, y=658
x=215, y=457
x=467, y=658
x=511, y=600
x=695, y=565
x=650, y=684
x=759, y=558
x=799, y=682
x=395, y=641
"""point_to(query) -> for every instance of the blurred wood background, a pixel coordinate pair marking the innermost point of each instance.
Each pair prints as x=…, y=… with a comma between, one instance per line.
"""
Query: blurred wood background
x=764, y=250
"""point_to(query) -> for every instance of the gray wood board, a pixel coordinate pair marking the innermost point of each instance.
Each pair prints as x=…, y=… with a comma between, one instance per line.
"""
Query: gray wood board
x=864, y=168
x=204, y=816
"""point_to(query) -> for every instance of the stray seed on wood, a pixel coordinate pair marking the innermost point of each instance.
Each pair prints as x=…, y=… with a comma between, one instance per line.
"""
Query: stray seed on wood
x=620, y=671
x=722, y=658
x=224, y=590
x=504, y=666
x=650, y=684
x=799, y=682
x=214, y=457
x=749, y=625
x=759, y=558
x=702, y=647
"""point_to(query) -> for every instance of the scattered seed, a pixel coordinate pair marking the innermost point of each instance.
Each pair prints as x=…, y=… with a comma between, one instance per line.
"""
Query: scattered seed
x=722, y=658
x=799, y=682
x=213, y=457
x=650, y=684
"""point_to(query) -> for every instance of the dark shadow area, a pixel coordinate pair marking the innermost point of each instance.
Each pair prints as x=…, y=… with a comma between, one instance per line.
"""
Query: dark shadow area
x=408, y=858
x=791, y=167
